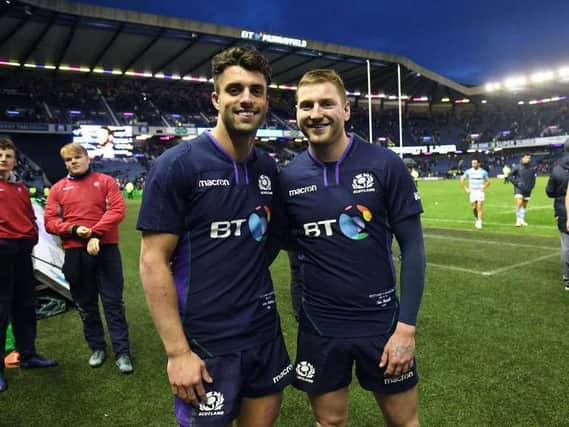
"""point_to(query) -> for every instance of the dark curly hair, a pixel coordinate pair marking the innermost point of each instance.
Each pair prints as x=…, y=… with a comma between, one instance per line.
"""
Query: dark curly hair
x=246, y=57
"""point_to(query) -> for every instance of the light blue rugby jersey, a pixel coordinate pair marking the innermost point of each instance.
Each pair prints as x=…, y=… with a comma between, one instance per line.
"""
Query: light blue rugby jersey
x=476, y=178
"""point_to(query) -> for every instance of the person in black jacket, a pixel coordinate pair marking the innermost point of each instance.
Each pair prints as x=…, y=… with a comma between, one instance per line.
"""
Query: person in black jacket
x=523, y=178
x=556, y=188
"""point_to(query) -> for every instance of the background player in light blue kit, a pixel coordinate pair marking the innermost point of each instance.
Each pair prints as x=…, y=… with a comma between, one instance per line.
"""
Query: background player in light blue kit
x=345, y=199
x=478, y=182
x=206, y=208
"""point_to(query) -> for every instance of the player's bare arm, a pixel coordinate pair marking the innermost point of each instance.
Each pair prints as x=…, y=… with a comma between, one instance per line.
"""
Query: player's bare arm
x=186, y=370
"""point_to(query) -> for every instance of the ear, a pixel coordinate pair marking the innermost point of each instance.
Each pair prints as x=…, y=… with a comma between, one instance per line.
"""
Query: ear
x=215, y=100
x=347, y=110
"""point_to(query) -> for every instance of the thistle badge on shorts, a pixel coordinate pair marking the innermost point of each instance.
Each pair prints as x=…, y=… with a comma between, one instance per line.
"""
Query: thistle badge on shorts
x=305, y=371
x=213, y=404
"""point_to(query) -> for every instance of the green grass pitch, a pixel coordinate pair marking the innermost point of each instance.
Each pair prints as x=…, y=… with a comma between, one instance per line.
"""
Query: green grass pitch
x=492, y=340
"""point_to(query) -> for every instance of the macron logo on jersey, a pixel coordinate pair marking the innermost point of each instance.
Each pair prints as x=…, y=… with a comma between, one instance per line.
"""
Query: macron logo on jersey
x=202, y=183
x=302, y=190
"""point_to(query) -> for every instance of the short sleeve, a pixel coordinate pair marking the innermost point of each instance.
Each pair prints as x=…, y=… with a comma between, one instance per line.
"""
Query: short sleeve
x=167, y=189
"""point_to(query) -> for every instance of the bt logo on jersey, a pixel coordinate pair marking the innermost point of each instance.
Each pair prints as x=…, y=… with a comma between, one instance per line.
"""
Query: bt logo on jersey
x=314, y=229
x=352, y=223
x=225, y=229
x=257, y=222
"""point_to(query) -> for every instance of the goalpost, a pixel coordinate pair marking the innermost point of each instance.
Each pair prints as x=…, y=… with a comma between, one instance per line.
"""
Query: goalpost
x=399, y=106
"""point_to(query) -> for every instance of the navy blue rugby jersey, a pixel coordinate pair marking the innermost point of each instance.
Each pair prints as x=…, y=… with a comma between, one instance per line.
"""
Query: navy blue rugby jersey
x=341, y=214
x=221, y=210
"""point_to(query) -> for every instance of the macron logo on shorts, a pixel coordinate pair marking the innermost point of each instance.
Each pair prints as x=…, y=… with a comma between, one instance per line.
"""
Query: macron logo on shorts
x=399, y=379
x=283, y=374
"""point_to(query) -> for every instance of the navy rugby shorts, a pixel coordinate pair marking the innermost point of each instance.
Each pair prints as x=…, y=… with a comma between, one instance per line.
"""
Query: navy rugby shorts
x=254, y=372
x=325, y=364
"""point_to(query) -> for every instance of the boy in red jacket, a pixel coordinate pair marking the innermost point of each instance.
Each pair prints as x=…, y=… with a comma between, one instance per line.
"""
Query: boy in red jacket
x=18, y=236
x=85, y=209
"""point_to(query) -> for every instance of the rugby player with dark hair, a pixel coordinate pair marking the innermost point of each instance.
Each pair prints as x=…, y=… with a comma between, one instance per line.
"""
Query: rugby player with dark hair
x=478, y=183
x=523, y=178
x=204, y=265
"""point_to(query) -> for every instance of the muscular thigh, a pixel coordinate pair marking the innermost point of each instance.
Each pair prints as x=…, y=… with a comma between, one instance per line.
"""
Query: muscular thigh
x=400, y=409
x=323, y=364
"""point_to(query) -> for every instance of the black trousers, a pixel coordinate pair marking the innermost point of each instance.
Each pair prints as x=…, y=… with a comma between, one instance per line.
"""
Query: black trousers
x=90, y=277
x=17, y=295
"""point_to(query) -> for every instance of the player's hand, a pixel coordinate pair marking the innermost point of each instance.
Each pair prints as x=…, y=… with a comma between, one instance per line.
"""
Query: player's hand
x=186, y=373
x=83, y=232
x=399, y=352
x=467, y=190
x=93, y=246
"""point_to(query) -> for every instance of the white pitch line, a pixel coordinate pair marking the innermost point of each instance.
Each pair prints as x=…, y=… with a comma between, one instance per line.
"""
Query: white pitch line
x=492, y=272
x=464, y=239
x=511, y=267
x=512, y=210
x=464, y=221
x=513, y=207
x=452, y=267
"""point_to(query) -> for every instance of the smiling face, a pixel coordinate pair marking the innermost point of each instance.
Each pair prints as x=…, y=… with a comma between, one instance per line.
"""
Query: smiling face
x=241, y=100
x=321, y=113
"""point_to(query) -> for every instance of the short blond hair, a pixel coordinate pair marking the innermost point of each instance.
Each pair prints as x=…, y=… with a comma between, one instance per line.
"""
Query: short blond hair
x=323, y=75
x=72, y=149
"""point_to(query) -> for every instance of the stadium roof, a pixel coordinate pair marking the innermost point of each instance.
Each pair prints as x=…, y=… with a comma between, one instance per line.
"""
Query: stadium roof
x=63, y=35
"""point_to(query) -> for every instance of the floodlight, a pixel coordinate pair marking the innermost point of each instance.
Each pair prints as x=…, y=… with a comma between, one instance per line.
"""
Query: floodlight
x=515, y=82
x=542, y=76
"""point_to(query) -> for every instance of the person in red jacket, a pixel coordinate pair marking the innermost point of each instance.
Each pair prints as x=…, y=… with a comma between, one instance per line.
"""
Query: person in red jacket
x=18, y=236
x=85, y=209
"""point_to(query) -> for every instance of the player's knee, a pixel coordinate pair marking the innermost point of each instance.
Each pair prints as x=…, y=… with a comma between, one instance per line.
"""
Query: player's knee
x=331, y=420
x=402, y=419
